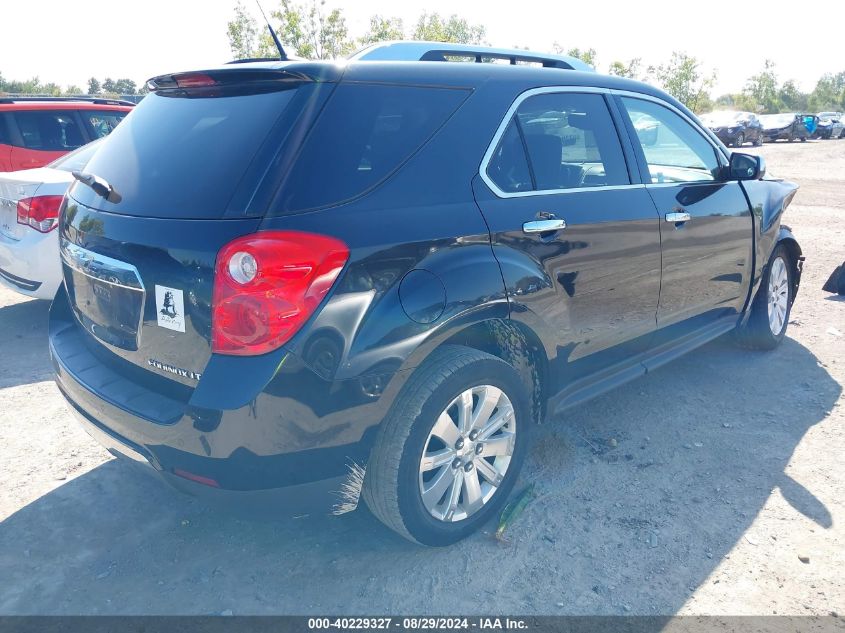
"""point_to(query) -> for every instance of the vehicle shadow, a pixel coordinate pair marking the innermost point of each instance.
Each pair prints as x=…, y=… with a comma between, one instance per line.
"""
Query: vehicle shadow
x=637, y=497
x=23, y=336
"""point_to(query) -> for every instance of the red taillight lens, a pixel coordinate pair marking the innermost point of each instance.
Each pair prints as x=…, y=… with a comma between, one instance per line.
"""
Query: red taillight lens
x=267, y=285
x=40, y=212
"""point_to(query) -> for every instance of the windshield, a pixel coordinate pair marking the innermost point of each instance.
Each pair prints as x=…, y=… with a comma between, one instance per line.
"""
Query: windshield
x=77, y=159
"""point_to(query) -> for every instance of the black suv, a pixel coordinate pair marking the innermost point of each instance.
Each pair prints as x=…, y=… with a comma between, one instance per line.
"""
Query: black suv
x=309, y=281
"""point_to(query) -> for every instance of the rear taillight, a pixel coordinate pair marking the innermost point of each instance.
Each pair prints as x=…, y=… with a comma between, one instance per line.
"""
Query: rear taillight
x=267, y=285
x=40, y=212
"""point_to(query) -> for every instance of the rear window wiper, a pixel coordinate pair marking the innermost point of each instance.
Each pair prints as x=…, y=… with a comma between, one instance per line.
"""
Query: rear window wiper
x=98, y=185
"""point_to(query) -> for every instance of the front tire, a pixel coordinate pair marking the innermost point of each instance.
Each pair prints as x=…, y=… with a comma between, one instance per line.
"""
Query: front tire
x=769, y=318
x=740, y=140
x=449, y=453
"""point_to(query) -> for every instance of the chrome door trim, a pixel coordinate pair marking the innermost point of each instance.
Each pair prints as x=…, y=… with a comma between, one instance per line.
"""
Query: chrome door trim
x=678, y=216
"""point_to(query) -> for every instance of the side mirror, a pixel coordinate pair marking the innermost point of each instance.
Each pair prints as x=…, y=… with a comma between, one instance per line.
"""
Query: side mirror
x=746, y=167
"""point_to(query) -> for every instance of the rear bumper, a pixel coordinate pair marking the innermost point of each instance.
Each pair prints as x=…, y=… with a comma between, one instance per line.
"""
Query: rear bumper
x=31, y=266
x=291, y=448
x=318, y=497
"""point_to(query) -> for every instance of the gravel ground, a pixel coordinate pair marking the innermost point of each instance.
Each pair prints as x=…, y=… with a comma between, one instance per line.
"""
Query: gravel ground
x=714, y=485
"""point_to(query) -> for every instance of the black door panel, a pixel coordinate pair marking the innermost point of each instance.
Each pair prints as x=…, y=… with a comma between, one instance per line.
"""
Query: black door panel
x=590, y=284
x=706, y=227
x=707, y=259
x=593, y=287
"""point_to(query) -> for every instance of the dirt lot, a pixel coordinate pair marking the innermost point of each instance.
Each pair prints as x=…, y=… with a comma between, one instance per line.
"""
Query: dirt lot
x=698, y=489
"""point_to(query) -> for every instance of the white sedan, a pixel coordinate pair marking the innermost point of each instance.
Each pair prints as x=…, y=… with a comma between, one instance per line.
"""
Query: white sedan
x=29, y=214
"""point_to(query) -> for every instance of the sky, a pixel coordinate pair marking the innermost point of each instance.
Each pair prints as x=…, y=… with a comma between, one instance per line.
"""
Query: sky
x=68, y=42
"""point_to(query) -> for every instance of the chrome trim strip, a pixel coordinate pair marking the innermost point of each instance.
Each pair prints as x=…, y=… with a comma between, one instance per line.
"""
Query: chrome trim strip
x=100, y=267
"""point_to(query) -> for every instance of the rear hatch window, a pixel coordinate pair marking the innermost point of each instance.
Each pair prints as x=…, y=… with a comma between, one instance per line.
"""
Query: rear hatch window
x=187, y=156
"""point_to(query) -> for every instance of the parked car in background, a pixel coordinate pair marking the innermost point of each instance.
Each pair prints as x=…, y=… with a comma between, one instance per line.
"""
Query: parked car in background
x=734, y=128
x=35, y=131
x=788, y=126
x=385, y=304
x=831, y=125
x=29, y=214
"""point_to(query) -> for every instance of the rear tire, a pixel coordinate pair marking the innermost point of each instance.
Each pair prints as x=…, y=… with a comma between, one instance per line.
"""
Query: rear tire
x=770, y=310
x=409, y=442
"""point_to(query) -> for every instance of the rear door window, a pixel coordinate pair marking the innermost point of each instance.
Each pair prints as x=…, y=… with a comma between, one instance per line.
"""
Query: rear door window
x=50, y=130
x=101, y=122
x=571, y=143
x=364, y=134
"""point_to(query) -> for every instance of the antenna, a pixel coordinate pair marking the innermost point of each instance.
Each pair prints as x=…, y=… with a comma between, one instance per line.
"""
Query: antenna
x=282, y=55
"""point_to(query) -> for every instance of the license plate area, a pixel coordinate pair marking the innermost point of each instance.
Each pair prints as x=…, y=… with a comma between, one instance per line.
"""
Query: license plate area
x=106, y=295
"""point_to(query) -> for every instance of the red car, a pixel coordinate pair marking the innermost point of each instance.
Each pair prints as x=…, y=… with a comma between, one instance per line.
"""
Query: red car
x=35, y=131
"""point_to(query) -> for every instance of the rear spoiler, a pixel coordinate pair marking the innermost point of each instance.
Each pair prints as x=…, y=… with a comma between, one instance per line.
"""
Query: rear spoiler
x=249, y=73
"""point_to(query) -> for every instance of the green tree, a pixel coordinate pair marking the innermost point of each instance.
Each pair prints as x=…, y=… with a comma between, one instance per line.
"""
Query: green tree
x=684, y=78
x=312, y=31
x=829, y=93
x=242, y=32
x=763, y=88
x=792, y=98
x=434, y=28
x=125, y=87
x=631, y=70
x=93, y=86
x=383, y=29
x=73, y=90
x=587, y=55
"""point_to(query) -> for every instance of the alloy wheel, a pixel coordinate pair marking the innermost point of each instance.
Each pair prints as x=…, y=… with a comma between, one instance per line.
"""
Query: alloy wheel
x=467, y=453
x=778, y=296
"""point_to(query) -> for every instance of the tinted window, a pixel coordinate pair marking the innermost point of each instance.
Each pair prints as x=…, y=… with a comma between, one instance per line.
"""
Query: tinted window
x=184, y=156
x=674, y=150
x=102, y=122
x=5, y=138
x=571, y=141
x=77, y=159
x=364, y=134
x=49, y=130
x=508, y=167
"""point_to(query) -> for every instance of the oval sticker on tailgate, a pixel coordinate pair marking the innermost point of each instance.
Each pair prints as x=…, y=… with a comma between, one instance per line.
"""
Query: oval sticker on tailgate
x=170, y=308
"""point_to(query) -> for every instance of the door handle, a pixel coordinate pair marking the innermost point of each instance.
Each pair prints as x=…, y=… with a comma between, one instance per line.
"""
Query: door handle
x=678, y=216
x=544, y=226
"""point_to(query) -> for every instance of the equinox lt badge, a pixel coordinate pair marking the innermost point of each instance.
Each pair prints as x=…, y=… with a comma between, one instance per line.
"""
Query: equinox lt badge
x=185, y=373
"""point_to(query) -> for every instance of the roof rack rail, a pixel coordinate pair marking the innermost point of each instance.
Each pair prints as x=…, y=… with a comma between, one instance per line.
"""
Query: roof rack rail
x=95, y=100
x=407, y=51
